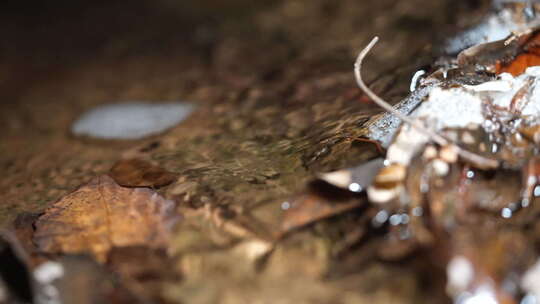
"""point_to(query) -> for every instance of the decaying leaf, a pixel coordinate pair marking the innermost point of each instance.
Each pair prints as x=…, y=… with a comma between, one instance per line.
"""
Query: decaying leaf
x=319, y=202
x=466, y=171
x=101, y=215
x=140, y=173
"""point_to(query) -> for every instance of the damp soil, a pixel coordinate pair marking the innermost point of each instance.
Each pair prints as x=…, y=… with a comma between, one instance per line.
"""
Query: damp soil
x=276, y=103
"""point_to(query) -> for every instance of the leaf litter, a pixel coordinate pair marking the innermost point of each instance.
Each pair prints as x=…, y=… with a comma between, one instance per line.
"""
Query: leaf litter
x=136, y=172
x=460, y=177
x=101, y=215
x=411, y=191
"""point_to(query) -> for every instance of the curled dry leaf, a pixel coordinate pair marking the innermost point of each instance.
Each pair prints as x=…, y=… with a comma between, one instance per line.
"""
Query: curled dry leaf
x=140, y=173
x=101, y=215
x=320, y=201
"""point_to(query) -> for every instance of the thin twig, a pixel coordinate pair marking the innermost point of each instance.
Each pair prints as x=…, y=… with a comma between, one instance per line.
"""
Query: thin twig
x=479, y=160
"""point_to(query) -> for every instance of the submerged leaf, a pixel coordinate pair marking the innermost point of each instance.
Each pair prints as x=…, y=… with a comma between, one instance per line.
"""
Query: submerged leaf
x=140, y=173
x=101, y=215
x=319, y=202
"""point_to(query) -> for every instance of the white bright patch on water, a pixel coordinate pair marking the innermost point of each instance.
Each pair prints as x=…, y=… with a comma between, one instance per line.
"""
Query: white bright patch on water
x=130, y=120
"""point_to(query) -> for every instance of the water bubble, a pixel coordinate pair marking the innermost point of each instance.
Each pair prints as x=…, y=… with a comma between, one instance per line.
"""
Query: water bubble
x=380, y=218
x=355, y=187
x=395, y=220
x=470, y=174
x=506, y=212
x=285, y=206
x=536, y=191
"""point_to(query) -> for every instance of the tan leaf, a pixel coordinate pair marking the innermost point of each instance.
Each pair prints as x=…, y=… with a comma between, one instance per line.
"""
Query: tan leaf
x=140, y=173
x=101, y=215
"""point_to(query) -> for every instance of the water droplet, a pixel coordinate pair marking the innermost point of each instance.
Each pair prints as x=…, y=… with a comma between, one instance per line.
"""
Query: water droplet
x=470, y=174
x=525, y=202
x=285, y=205
x=395, y=220
x=380, y=218
x=355, y=187
x=506, y=213
x=536, y=191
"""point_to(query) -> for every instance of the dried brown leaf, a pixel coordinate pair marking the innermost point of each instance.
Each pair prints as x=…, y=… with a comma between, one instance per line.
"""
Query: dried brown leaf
x=140, y=173
x=319, y=202
x=101, y=215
